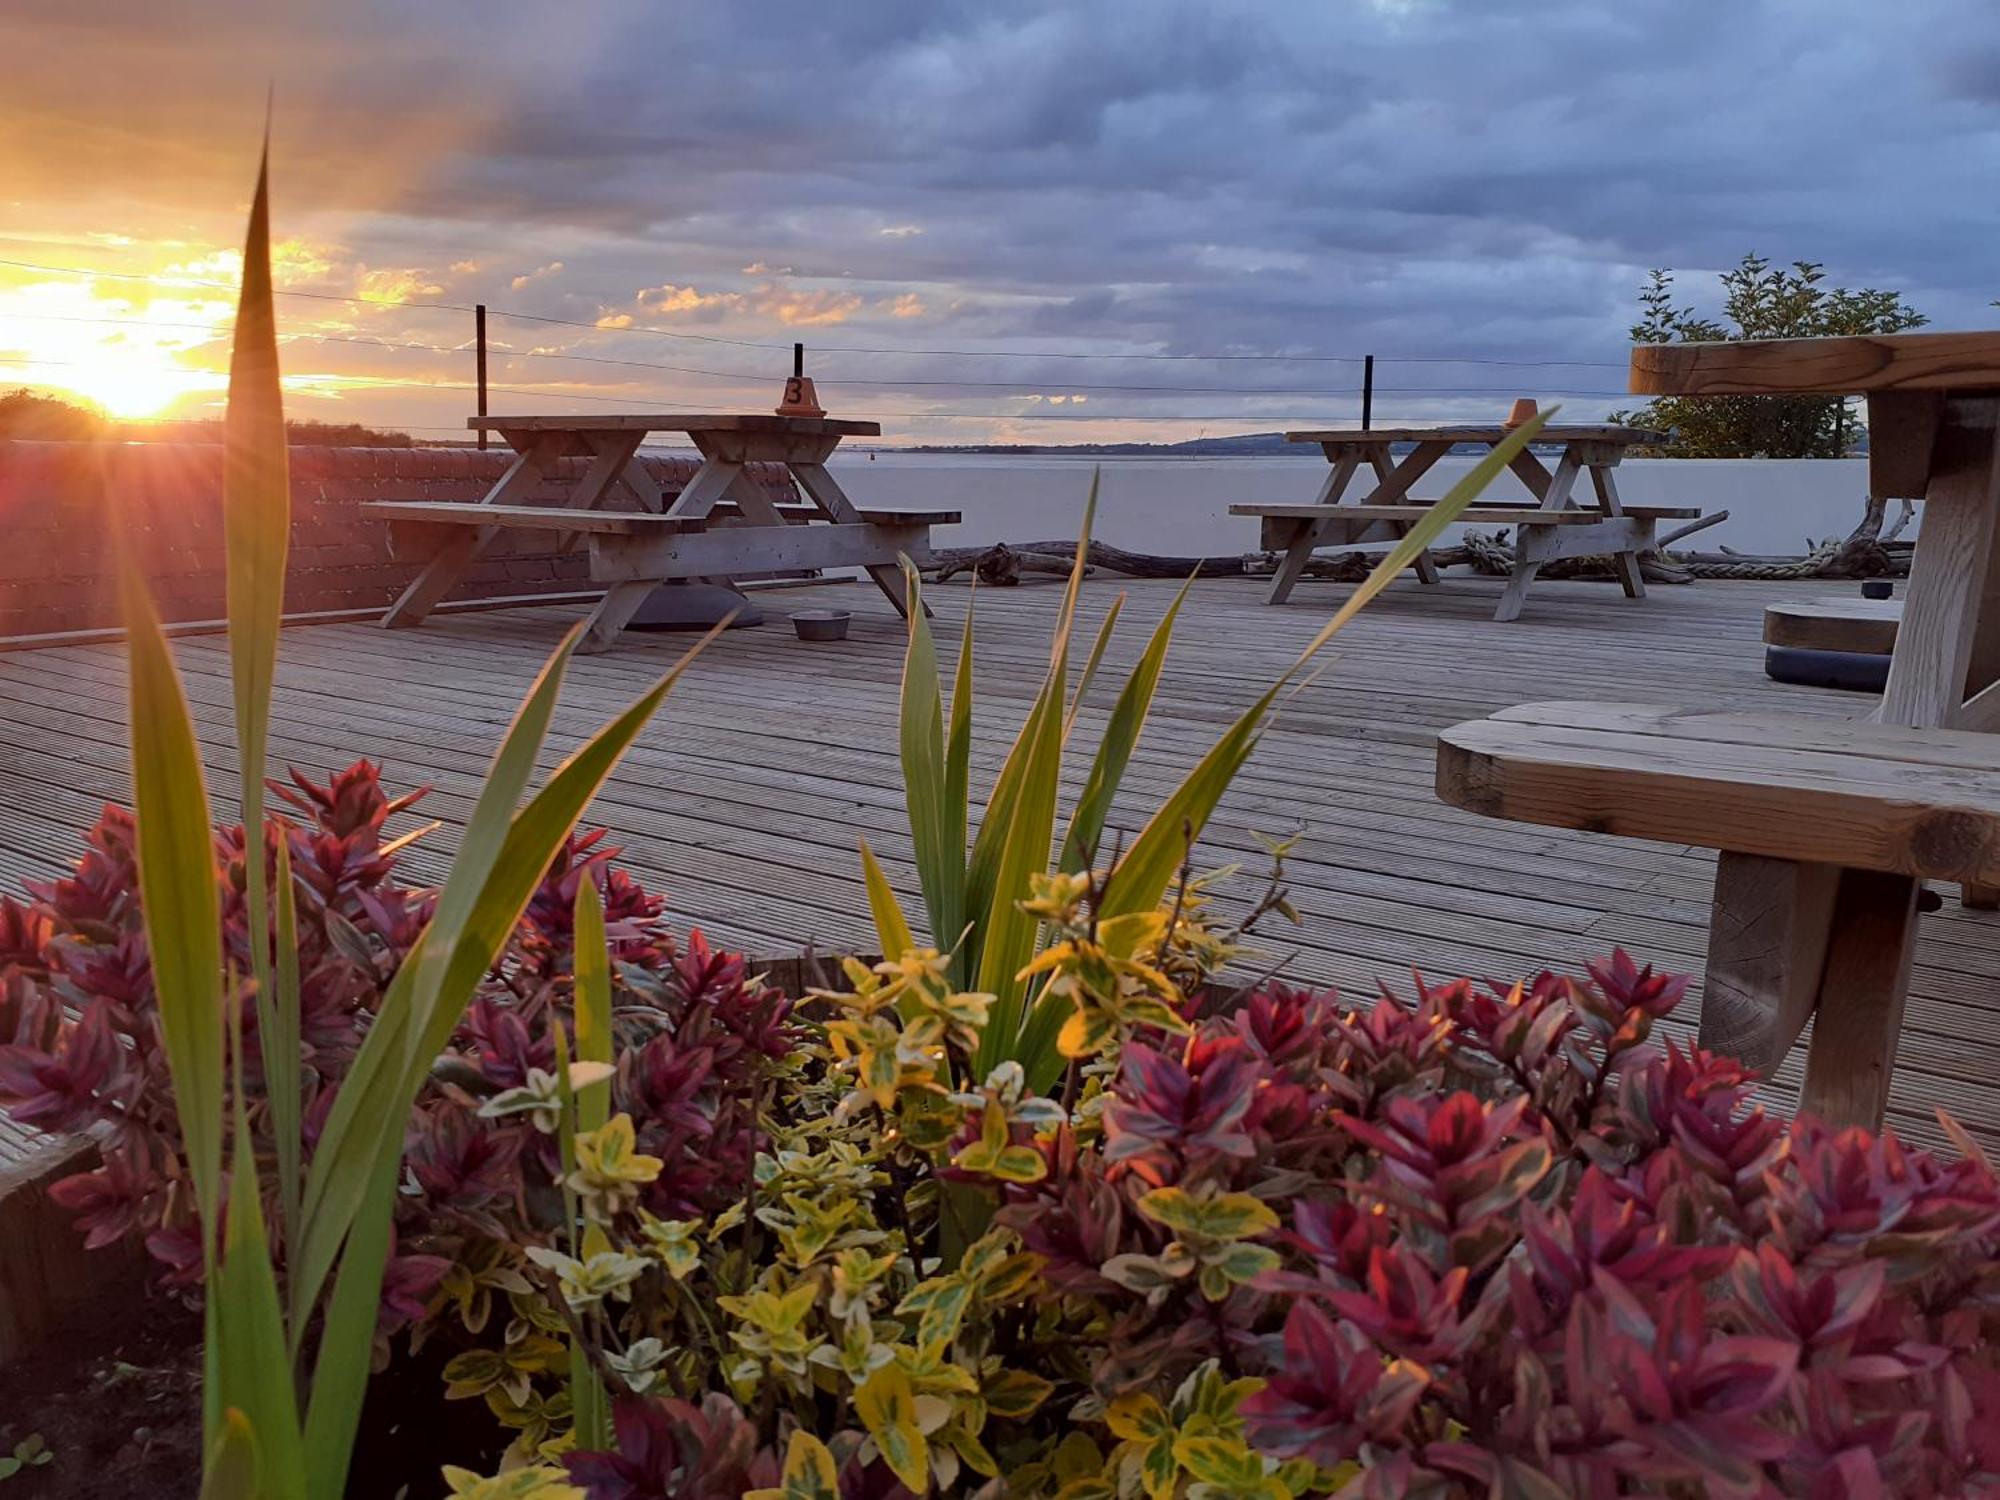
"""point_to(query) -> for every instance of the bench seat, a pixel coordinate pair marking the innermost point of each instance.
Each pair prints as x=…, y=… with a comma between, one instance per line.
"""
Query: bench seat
x=1498, y=515
x=1918, y=802
x=611, y=522
x=524, y=517
x=1826, y=830
x=1861, y=626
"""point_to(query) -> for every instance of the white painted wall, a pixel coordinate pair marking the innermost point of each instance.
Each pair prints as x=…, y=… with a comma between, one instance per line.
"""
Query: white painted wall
x=1181, y=505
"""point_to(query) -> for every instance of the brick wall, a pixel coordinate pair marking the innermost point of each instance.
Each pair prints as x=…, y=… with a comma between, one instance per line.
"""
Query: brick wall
x=57, y=501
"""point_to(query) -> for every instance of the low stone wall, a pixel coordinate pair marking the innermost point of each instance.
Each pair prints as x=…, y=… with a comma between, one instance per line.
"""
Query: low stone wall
x=58, y=502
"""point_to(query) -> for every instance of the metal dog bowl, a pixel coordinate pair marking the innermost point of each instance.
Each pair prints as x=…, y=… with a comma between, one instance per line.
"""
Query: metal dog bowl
x=821, y=624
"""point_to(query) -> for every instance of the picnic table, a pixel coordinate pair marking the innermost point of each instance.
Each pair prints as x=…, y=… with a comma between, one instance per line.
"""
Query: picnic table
x=634, y=552
x=1826, y=831
x=1556, y=523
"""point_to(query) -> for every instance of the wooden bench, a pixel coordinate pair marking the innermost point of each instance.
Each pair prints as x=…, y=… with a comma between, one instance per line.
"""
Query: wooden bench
x=609, y=522
x=633, y=551
x=1863, y=626
x=1554, y=526
x=1281, y=521
x=1826, y=830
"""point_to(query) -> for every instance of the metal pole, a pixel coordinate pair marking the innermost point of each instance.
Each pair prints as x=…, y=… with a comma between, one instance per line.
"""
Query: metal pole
x=1367, y=391
x=798, y=361
x=479, y=342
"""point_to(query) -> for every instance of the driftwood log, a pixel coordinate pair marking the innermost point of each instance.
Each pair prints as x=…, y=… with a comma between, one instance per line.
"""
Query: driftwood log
x=1866, y=552
x=1005, y=562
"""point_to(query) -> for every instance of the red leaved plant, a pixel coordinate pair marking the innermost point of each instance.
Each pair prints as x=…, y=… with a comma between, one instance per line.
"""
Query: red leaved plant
x=1532, y=1251
x=80, y=1047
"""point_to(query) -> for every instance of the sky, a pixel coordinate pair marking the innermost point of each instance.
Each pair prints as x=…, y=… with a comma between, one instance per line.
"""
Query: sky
x=1024, y=222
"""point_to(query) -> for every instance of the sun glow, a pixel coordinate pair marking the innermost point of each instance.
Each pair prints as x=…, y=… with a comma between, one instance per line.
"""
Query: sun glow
x=135, y=353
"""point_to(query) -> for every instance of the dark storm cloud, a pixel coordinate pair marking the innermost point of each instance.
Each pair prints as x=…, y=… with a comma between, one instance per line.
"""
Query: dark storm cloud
x=1485, y=178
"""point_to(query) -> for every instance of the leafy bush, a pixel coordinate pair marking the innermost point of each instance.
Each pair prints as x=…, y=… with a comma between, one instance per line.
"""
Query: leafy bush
x=1479, y=1243
x=80, y=1048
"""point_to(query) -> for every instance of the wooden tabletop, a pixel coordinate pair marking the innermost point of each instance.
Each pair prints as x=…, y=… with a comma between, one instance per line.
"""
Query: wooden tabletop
x=681, y=422
x=1598, y=433
x=1815, y=367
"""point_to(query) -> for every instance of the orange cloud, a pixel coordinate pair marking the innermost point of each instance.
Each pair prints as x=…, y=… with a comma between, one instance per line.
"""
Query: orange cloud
x=909, y=305
x=808, y=309
x=537, y=274
x=670, y=298
x=391, y=287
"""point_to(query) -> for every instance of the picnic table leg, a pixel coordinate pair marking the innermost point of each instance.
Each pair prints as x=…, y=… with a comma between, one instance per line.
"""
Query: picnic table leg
x=1859, y=1015
x=610, y=456
x=1385, y=474
x=1306, y=539
x=1942, y=640
x=1767, y=940
x=611, y=614
x=1948, y=642
x=1532, y=545
x=827, y=494
x=1627, y=563
x=449, y=563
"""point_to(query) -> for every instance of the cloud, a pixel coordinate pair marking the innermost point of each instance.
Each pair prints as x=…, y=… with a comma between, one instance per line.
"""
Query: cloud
x=807, y=309
x=1425, y=181
x=394, y=287
x=786, y=304
x=540, y=273
x=685, y=299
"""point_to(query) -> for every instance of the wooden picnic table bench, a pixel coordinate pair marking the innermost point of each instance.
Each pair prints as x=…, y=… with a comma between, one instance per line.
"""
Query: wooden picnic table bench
x=1867, y=626
x=721, y=526
x=1826, y=828
x=1554, y=526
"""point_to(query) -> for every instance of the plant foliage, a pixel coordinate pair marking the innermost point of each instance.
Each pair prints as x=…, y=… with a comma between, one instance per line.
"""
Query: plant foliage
x=1761, y=301
x=273, y=1433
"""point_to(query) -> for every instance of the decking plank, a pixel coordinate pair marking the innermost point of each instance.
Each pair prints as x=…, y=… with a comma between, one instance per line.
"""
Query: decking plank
x=744, y=800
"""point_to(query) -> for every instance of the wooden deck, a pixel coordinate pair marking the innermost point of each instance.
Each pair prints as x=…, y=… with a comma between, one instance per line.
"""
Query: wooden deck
x=743, y=801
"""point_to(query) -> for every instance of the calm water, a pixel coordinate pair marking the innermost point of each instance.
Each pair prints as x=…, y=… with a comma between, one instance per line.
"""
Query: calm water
x=1181, y=505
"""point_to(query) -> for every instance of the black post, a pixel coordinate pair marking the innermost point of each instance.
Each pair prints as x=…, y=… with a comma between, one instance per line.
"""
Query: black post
x=1367, y=391
x=479, y=342
x=798, y=361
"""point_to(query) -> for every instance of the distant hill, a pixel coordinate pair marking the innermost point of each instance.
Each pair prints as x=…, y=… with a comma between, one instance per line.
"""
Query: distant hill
x=1241, y=445
x=1260, y=444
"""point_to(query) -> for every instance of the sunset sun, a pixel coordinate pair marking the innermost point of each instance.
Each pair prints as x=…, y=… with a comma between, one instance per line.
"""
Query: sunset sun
x=131, y=357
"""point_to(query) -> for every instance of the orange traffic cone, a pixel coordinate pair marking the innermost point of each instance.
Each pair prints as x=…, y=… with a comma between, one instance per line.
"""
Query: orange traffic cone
x=1523, y=411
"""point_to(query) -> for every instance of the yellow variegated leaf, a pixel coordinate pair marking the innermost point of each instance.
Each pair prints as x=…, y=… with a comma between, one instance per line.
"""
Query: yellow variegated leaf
x=1138, y=1418
x=1015, y=1393
x=810, y=1472
x=887, y=1407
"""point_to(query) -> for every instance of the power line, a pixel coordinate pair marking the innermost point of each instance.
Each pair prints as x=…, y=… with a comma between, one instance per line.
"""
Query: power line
x=225, y=286
x=754, y=377
x=821, y=349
